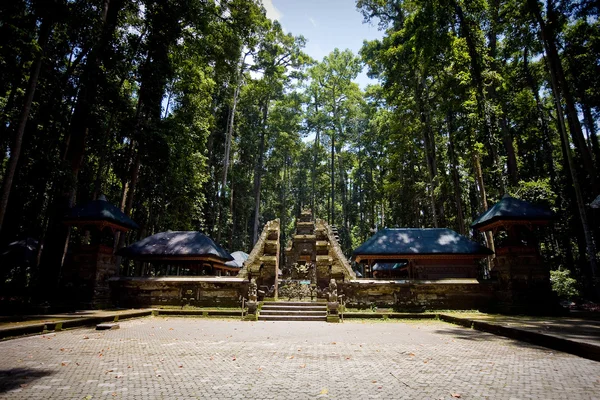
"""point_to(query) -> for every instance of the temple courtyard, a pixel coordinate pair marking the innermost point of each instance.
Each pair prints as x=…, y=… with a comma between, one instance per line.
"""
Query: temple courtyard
x=188, y=358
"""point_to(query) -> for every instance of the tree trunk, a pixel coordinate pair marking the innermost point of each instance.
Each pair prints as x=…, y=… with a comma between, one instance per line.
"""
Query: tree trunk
x=591, y=128
x=589, y=239
x=558, y=76
x=258, y=172
x=511, y=158
x=230, y=126
x=546, y=139
x=484, y=203
x=332, y=177
x=15, y=150
x=455, y=177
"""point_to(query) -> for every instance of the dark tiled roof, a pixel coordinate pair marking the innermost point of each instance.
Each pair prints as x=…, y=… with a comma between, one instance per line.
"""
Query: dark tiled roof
x=100, y=210
x=238, y=259
x=415, y=241
x=510, y=208
x=174, y=244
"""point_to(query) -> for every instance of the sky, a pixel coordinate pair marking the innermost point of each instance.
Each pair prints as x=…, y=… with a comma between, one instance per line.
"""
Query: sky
x=326, y=24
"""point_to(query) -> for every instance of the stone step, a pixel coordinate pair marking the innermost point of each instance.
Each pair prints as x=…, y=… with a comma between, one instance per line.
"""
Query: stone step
x=262, y=317
x=293, y=312
x=273, y=307
x=295, y=303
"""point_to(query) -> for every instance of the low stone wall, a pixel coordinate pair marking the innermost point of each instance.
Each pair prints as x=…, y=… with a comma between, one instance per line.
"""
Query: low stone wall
x=447, y=294
x=178, y=291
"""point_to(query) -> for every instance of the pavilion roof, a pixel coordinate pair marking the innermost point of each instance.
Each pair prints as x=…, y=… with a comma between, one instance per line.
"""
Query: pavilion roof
x=98, y=211
x=382, y=266
x=513, y=209
x=176, y=245
x=407, y=243
x=238, y=259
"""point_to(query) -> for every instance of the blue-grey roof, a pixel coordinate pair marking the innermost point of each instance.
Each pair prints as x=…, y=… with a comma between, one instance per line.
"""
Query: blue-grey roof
x=238, y=259
x=100, y=210
x=510, y=208
x=415, y=241
x=389, y=266
x=175, y=244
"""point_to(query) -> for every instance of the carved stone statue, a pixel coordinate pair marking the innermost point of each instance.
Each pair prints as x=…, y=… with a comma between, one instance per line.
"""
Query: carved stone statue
x=333, y=291
x=313, y=274
x=252, y=290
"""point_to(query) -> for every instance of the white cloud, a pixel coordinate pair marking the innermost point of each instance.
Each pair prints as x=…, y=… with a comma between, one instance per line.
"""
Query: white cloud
x=312, y=21
x=272, y=12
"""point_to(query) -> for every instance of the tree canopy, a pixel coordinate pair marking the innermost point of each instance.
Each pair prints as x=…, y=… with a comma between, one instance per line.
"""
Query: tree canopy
x=206, y=115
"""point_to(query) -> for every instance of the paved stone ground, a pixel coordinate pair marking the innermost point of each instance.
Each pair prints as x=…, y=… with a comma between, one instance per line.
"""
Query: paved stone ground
x=172, y=358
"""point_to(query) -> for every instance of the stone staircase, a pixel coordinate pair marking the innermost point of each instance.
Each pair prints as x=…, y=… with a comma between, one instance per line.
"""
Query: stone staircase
x=293, y=311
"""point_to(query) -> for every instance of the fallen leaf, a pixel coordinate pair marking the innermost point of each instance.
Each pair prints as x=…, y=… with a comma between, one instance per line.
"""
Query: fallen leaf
x=64, y=364
x=333, y=343
x=170, y=329
x=425, y=361
x=411, y=355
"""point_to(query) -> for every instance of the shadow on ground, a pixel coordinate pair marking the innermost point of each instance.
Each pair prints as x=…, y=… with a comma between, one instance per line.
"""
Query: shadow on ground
x=478, y=336
x=20, y=377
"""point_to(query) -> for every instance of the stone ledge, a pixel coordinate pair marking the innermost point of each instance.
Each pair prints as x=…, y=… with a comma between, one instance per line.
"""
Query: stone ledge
x=68, y=323
x=585, y=350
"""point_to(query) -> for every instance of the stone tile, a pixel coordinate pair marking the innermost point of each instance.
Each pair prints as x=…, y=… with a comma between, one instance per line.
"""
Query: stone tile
x=195, y=358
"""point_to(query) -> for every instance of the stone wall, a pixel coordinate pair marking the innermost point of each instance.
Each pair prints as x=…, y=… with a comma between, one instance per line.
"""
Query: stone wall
x=178, y=291
x=448, y=294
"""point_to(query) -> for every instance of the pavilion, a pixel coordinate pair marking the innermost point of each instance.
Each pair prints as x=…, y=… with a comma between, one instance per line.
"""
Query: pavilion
x=181, y=253
x=92, y=261
x=522, y=276
x=431, y=253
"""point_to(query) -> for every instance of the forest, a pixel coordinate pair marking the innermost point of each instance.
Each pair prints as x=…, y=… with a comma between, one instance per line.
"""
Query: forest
x=206, y=115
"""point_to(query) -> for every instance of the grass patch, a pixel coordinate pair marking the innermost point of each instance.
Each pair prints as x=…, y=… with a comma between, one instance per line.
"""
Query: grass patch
x=411, y=321
x=189, y=307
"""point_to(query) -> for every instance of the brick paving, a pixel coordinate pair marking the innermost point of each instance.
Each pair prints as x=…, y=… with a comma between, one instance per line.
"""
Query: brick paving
x=185, y=358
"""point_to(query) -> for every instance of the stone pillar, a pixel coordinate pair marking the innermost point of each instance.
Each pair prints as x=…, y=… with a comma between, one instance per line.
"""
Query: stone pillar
x=333, y=306
x=87, y=276
x=252, y=314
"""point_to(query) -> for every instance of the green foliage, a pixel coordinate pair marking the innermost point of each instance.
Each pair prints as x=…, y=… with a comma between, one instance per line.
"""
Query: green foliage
x=563, y=284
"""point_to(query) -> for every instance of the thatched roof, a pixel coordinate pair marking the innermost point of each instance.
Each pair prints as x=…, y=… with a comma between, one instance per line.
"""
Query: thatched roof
x=406, y=243
x=99, y=211
x=511, y=209
x=176, y=245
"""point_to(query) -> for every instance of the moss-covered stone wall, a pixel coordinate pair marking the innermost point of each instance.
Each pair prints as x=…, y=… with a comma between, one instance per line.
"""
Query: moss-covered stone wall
x=454, y=294
x=178, y=291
